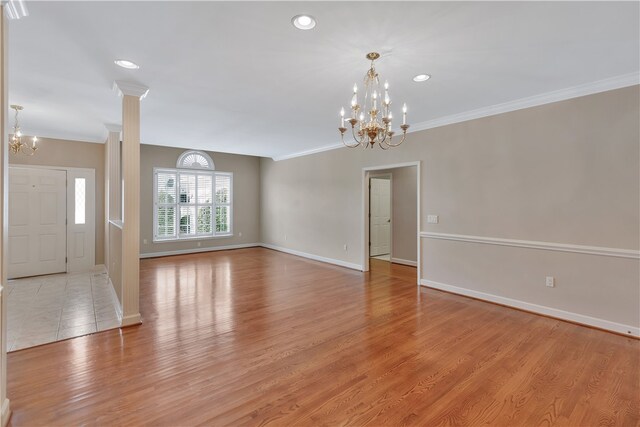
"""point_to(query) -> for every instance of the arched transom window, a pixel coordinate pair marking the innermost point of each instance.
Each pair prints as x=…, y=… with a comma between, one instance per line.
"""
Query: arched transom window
x=195, y=160
x=192, y=201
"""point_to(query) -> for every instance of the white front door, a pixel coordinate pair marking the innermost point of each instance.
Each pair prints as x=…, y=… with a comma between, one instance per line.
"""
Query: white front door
x=380, y=211
x=37, y=222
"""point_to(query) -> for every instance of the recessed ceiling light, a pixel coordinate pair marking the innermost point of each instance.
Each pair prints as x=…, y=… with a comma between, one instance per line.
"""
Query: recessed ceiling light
x=303, y=22
x=126, y=64
x=421, y=78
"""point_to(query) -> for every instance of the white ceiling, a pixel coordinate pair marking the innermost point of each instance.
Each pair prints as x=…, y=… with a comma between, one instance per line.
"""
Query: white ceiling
x=238, y=77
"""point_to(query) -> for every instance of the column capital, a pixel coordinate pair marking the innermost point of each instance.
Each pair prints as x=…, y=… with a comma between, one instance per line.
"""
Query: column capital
x=113, y=127
x=130, y=89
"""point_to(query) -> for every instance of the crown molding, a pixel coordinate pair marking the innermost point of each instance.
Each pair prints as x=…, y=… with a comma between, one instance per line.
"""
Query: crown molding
x=113, y=127
x=130, y=89
x=308, y=152
x=598, y=86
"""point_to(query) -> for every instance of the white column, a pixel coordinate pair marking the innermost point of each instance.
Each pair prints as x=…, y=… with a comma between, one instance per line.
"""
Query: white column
x=131, y=96
x=112, y=173
x=5, y=411
x=112, y=183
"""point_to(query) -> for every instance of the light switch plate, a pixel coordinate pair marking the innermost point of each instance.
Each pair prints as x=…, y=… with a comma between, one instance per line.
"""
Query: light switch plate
x=432, y=219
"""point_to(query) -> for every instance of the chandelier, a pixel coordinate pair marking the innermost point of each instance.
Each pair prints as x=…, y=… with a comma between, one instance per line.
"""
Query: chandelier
x=16, y=145
x=371, y=122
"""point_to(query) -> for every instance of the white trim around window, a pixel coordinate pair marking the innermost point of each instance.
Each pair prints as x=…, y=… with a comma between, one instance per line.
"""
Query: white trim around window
x=191, y=204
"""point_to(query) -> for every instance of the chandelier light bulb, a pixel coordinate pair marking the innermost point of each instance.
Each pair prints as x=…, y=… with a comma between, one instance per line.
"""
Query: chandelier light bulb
x=386, y=85
x=355, y=88
x=404, y=108
x=342, y=117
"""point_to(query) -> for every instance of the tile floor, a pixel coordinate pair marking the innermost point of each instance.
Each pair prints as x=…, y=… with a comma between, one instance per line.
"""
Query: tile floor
x=51, y=308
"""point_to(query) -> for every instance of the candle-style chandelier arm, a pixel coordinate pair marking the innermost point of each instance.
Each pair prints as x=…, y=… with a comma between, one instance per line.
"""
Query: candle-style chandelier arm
x=344, y=129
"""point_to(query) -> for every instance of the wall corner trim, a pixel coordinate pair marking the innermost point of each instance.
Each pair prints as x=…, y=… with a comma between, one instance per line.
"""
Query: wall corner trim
x=115, y=300
x=532, y=244
x=6, y=412
x=619, y=328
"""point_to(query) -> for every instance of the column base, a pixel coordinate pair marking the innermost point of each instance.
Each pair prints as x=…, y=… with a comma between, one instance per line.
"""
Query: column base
x=132, y=319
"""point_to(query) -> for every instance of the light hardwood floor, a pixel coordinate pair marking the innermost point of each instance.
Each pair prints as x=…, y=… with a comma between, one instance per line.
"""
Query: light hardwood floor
x=256, y=337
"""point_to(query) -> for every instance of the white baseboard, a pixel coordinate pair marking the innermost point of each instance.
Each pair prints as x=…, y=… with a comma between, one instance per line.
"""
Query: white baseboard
x=404, y=262
x=535, y=308
x=6, y=412
x=198, y=250
x=133, y=319
x=313, y=257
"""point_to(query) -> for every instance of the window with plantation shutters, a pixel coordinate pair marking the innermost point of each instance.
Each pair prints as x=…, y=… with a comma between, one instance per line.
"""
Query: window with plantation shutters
x=192, y=203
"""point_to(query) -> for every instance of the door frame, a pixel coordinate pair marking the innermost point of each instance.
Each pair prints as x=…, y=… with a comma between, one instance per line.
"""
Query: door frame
x=366, y=174
x=91, y=211
x=382, y=176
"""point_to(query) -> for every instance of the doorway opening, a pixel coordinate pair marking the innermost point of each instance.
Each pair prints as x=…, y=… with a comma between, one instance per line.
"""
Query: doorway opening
x=391, y=214
x=51, y=220
x=380, y=211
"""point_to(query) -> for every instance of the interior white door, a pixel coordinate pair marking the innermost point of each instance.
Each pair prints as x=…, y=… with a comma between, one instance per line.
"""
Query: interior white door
x=37, y=222
x=380, y=220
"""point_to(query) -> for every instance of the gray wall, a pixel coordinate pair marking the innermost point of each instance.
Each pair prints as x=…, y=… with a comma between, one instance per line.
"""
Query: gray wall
x=403, y=206
x=566, y=172
x=73, y=154
x=246, y=198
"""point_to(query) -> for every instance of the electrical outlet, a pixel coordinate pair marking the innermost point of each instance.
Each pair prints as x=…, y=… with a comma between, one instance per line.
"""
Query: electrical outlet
x=432, y=219
x=285, y=237
x=240, y=234
x=551, y=282
x=199, y=244
x=144, y=241
x=345, y=247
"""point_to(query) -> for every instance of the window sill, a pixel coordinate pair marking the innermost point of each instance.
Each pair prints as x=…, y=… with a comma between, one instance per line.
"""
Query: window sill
x=187, y=239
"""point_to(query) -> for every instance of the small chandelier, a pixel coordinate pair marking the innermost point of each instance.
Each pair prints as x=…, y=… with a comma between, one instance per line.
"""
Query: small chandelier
x=16, y=145
x=376, y=128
